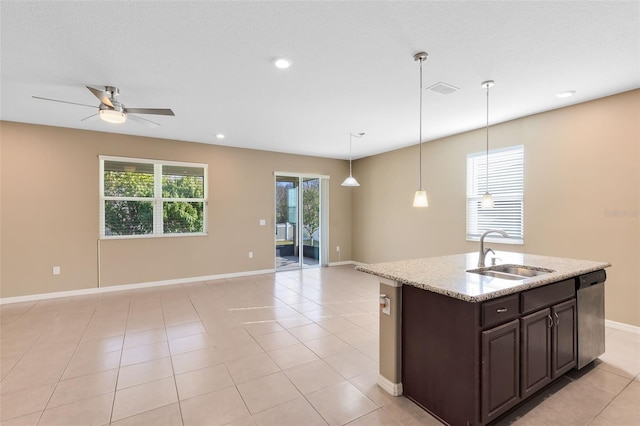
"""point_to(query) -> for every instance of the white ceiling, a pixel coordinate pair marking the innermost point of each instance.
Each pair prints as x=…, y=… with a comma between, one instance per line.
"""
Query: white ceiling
x=353, y=67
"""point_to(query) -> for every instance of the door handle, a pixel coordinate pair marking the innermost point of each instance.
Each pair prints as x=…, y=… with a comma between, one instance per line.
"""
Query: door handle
x=555, y=314
x=550, y=320
x=501, y=310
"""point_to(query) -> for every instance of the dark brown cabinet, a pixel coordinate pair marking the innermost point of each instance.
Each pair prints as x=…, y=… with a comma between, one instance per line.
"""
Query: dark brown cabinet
x=564, y=338
x=469, y=363
x=548, y=345
x=500, y=369
x=536, y=351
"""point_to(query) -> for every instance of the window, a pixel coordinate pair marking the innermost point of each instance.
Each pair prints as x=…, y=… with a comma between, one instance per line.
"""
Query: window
x=150, y=198
x=506, y=184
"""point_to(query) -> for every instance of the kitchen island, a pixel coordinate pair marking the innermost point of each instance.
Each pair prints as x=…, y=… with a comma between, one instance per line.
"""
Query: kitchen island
x=466, y=346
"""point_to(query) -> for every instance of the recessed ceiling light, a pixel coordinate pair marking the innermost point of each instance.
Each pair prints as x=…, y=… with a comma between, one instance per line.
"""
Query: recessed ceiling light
x=220, y=136
x=566, y=94
x=282, y=63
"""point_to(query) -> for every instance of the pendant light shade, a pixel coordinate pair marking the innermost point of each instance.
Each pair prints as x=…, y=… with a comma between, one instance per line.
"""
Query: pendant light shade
x=487, y=198
x=487, y=201
x=351, y=181
x=420, y=197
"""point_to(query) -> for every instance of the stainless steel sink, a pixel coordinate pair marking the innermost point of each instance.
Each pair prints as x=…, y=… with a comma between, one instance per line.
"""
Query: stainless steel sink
x=502, y=275
x=525, y=271
x=511, y=272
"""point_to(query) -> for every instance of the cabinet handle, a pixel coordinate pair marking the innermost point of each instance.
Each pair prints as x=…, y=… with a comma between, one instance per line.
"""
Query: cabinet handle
x=550, y=320
x=501, y=310
x=557, y=318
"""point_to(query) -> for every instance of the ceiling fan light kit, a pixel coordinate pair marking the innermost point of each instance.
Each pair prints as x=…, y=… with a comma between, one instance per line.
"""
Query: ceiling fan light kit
x=113, y=116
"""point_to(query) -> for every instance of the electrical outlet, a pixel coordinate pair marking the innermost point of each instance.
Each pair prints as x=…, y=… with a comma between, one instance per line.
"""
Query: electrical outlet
x=385, y=304
x=56, y=270
x=338, y=249
x=263, y=222
x=250, y=255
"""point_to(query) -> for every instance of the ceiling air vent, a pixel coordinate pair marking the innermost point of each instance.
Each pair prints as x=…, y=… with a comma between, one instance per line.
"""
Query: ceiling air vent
x=443, y=88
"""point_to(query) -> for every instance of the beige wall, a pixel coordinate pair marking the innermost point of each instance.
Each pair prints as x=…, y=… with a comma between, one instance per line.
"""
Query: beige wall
x=49, y=202
x=49, y=211
x=581, y=163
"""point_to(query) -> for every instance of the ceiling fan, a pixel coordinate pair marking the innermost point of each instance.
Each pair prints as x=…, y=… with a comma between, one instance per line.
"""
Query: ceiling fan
x=112, y=111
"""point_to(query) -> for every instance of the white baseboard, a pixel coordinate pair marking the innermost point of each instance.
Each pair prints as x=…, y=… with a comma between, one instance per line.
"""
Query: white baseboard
x=98, y=290
x=622, y=326
x=107, y=289
x=346, y=262
x=394, y=389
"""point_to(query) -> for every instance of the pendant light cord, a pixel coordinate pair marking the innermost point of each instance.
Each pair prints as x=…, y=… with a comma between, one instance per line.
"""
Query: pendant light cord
x=350, y=138
x=420, y=137
x=487, y=138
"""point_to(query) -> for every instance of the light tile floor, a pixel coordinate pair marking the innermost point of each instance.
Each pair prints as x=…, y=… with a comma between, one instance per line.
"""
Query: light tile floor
x=291, y=348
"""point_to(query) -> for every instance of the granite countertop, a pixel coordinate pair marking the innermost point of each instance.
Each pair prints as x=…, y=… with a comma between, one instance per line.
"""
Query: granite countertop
x=448, y=275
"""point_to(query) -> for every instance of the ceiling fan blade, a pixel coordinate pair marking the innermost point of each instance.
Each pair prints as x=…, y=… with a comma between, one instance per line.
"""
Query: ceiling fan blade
x=142, y=120
x=92, y=115
x=100, y=94
x=156, y=111
x=64, y=102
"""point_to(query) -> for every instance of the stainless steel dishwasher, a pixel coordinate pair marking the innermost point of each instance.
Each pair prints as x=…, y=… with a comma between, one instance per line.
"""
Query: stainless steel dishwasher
x=590, y=313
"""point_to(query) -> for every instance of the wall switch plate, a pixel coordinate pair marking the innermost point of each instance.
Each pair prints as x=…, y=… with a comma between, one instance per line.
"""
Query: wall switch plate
x=250, y=255
x=56, y=270
x=263, y=222
x=338, y=249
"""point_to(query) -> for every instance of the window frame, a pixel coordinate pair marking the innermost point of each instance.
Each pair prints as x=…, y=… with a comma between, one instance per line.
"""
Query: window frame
x=157, y=200
x=515, y=196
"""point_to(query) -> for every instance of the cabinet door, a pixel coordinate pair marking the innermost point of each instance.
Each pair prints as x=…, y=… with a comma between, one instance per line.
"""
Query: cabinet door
x=564, y=354
x=500, y=369
x=536, y=351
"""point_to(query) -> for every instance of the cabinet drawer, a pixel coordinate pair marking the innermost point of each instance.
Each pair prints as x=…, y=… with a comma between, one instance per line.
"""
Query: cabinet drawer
x=547, y=295
x=500, y=310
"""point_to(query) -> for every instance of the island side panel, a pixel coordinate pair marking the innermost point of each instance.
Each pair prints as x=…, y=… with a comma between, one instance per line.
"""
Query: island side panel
x=440, y=355
x=390, y=372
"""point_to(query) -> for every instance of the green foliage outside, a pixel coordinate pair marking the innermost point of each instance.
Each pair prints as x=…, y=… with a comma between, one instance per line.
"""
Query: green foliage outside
x=136, y=217
x=182, y=217
x=311, y=207
x=282, y=205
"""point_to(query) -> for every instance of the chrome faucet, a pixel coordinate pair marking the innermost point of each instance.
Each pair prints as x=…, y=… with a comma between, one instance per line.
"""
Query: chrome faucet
x=482, y=254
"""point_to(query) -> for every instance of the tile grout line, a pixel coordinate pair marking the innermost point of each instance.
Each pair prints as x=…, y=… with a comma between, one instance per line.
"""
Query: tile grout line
x=223, y=361
x=320, y=358
x=164, y=321
x=67, y=364
x=124, y=336
x=214, y=346
x=610, y=402
x=283, y=373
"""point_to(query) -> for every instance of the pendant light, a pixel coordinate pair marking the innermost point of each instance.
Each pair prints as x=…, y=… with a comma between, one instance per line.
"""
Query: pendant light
x=351, y=181
x=487, y=198
x=420, y=198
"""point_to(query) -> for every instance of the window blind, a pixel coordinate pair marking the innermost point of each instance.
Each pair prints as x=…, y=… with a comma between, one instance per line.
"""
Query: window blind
x=506, y=184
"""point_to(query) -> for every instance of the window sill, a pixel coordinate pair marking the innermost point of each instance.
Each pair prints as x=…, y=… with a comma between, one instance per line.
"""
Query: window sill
x=511, y=241
x=151, y=236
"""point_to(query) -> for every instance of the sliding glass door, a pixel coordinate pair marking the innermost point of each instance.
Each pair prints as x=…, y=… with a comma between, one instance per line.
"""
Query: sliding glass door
x=299, y=218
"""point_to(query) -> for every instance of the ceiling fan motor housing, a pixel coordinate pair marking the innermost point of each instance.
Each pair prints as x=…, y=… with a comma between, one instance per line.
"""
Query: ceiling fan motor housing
x=112, y=91
x=117, y=106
